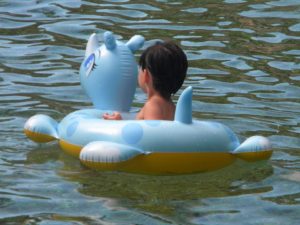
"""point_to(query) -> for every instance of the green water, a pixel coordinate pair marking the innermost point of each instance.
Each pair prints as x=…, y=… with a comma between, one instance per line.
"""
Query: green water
x=244, y=65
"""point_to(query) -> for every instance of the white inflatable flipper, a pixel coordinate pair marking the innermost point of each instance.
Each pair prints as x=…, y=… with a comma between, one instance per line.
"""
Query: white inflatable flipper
x=108, y=152
x=254, y=148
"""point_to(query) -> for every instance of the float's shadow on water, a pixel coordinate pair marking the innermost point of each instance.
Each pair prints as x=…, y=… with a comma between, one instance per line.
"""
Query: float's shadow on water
x=155, y=194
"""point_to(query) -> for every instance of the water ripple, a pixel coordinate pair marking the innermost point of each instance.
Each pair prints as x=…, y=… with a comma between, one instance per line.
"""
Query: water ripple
x=277, y=38
x=273, y=14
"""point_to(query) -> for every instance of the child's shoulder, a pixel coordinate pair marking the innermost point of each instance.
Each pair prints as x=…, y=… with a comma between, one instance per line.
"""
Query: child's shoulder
x=153, y=103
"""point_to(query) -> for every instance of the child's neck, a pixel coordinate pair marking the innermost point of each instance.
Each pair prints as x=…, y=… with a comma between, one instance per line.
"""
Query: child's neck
x=151, y=93
x=154, y=94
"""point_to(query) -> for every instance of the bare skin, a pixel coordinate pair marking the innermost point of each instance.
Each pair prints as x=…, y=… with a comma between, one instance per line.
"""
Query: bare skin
x=155, y=108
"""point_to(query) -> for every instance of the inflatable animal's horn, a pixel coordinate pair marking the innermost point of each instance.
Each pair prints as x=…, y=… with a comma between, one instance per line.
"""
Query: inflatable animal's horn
x=109, y=40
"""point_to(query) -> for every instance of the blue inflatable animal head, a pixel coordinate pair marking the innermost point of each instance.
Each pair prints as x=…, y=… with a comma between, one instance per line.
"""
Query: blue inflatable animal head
x=108, y=73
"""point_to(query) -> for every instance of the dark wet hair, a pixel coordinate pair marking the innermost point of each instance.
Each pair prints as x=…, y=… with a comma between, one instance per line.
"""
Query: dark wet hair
x=167, y=64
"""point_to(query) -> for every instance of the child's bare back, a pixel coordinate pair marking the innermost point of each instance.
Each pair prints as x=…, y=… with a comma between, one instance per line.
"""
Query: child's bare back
x=157, y=108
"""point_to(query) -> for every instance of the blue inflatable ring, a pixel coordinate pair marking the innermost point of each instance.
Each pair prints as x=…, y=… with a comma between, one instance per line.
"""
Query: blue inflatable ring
x=140, y=146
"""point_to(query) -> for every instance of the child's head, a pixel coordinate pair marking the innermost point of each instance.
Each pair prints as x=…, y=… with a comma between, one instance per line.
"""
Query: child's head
x=167, y=65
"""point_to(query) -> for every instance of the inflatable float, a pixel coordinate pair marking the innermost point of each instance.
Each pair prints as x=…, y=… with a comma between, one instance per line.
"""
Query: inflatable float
x=108, y=75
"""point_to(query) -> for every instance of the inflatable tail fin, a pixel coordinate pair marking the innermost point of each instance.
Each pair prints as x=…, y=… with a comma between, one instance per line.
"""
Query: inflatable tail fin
x=41, y=128
x=253, y=149
x=107, y=155
x=183, y=111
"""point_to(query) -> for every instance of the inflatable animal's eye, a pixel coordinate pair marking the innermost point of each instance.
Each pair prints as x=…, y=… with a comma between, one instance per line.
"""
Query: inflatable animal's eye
x=89, y=64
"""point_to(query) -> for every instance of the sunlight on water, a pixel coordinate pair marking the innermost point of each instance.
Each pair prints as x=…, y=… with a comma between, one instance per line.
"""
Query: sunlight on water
x=244, y=65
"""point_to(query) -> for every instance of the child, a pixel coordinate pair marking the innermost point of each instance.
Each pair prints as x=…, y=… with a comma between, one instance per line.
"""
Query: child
x=162, y=70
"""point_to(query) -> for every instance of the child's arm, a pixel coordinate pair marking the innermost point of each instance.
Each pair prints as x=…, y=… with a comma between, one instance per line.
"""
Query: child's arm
x=152, y=110
x=114, y=116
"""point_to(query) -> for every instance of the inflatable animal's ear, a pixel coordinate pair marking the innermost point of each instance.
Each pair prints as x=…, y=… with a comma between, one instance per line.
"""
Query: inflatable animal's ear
x=92, y=45
x=135, y=43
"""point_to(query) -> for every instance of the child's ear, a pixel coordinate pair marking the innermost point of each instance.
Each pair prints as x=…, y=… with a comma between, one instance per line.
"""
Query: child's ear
x=148, y=77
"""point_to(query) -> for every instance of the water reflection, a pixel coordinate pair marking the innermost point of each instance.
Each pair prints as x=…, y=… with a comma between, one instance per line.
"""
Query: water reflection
x=156, y=194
